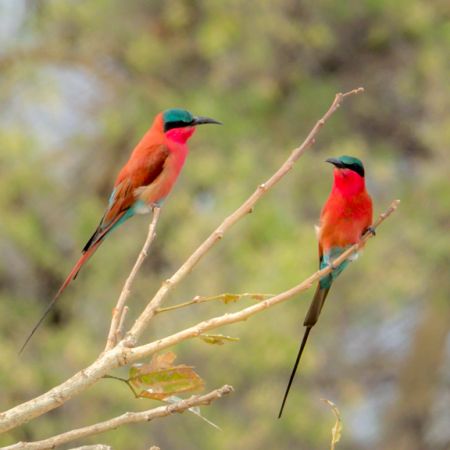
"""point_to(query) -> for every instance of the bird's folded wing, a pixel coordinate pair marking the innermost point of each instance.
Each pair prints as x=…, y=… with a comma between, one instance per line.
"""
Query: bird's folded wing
x=140, y=172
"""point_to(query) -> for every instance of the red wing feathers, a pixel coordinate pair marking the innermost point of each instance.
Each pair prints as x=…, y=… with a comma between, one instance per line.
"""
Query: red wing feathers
x=140, y=171
x=144, y=167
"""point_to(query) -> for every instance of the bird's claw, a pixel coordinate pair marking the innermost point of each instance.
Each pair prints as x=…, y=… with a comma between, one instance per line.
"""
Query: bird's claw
x=370, y=230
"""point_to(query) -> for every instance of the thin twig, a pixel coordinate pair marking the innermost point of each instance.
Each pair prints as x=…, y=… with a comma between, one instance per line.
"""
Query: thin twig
x=226, y=298
x=142, y=321
x=336, y=431
x=127, y=418
x=119, y=311
x=121, y=327
x=123, y=380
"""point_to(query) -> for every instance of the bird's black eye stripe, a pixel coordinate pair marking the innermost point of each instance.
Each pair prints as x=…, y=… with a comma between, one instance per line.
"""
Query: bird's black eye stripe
x=176, y=124
x=356, y=168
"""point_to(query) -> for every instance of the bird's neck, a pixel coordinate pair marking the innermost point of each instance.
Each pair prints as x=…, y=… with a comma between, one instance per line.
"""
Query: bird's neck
x=348, y=183
x=180, y=135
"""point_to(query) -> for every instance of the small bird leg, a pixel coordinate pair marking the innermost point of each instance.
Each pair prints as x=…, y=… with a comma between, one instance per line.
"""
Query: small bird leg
x=370, y=230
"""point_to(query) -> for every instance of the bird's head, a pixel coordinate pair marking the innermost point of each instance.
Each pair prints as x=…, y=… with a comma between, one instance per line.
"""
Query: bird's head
x=347, y=163
x=348, y=173
x=179, y=124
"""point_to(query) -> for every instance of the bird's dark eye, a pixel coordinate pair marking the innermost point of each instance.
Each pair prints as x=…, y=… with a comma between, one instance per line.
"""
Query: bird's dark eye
x=175, y=124
x=356, y=168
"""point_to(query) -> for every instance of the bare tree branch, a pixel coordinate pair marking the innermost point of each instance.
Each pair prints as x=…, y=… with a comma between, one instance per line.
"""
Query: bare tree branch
x=127, y=418
x=119, y=311
x=122, y=353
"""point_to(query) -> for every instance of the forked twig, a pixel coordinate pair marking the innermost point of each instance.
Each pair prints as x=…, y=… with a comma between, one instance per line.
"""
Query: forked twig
x=119, y=310
x=127, y=418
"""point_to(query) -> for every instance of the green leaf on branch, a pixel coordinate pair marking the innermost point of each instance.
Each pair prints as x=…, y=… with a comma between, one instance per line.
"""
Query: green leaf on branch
x=160, y=378
x=217, y=339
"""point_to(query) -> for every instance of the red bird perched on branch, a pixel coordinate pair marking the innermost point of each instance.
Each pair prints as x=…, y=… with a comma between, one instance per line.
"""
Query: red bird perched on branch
x=143, y=183
x=345, y=217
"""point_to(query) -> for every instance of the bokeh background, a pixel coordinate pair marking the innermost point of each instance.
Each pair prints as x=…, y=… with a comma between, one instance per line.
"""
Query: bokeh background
x=80, y=84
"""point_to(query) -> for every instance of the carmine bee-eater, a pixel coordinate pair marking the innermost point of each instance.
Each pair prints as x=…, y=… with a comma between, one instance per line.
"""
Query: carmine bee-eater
x=345, y=217
x=143, y=183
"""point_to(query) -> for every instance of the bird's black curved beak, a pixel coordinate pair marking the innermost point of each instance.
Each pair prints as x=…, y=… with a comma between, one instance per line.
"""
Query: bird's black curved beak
x=335, y=162
x=199, y=120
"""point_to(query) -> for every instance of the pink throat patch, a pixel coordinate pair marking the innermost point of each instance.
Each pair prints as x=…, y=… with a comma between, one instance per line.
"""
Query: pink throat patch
x=348, y=182
x=180, y=135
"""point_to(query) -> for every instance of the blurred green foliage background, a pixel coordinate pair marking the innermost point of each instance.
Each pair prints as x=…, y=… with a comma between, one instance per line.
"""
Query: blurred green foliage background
x=81, y=82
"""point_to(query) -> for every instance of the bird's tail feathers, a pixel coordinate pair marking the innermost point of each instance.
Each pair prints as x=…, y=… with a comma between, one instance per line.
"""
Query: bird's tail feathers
x=72, y=275
x=96, y=236
x=294, y=369
x=77, y=267
x=310, y=320
x=316, y=306
x=88, y=250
